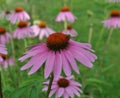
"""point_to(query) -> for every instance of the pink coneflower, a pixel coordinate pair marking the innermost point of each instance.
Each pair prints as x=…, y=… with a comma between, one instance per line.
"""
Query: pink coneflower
x=65, y=15
x=6, y=61
x=65, y=87
x=23, y=30
x=4, y=36
x=113, y=21
x=2, y=51
x=19, y=15
x=59, y=52
x=42, y=30
x=5, y=14
x=70, y=31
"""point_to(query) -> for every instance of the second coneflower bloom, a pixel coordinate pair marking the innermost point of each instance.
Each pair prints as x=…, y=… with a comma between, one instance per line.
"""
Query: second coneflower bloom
x=6, y=61
x=65, y=15
x=5, y=14
x=42, y=30
x=23, y=30
x=4, y=36
x=113, y=21
x=59, y=52
x=66, y=87
x=19, y=15
x=70, y=31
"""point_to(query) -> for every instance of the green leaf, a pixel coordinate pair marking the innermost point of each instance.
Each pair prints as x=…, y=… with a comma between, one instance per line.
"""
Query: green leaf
x=33, y=92
x=18, y=92
x=93, y=80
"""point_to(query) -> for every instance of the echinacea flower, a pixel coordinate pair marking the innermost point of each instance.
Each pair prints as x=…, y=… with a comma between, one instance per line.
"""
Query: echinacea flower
x=42, y=30
x=65, y=15
x=3, y=50
x=65, y=87
x=59, y=52
x=5, y=14
x=6, y=61
x=23, y=30
x=113, y=21
x=114, y=1
x=70, y=31
x=4, y=36
x=19, y=15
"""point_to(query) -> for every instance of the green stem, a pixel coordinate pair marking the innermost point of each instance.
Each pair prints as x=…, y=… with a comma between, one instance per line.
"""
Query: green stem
x=12, y=45
x=90, y=33
x=49, y=86
x=25, y=42
x=109, y=36
x=106, y=45
x=1, y=93
x=100, y=37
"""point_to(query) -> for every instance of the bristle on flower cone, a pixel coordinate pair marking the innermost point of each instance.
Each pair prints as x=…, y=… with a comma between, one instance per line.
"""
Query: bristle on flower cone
x=65, y=9
x=62, y=82
x=22, y=24
x=115, y=13
x=2, y=30
x=57, y=41
x=19, y=9
x=42, y=24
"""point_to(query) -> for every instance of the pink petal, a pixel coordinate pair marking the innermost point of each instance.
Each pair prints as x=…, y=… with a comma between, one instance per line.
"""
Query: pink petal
x=49, y=64
x=58, y=64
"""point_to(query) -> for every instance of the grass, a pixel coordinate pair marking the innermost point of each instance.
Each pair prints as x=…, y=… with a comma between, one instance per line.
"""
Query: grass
x=98, y=82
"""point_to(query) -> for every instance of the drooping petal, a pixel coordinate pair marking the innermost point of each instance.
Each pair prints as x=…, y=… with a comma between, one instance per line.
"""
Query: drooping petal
x=49, y=64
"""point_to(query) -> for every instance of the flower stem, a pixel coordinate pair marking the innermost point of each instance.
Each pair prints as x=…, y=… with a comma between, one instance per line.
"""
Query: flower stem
x=12, y=44
x=109, y=36
x=90, y=33
x=25, y=42
x=1, y=93
x=100, y=37
x=105, y=46
x=49, y=86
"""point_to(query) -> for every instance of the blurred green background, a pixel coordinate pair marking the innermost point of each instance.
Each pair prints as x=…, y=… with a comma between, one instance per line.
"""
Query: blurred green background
x=100, y=81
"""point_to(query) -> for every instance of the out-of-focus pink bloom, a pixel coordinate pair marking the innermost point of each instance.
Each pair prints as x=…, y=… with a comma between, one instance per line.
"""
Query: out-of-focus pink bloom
x=23, y=30
x=114, y=1
x=19, y=15
x=65, y=87
x=5, y=14
x=70, y=31
x=42, y=30
x=113, y=21
x=3, y=50
x=6, y=61
x=65, y=15
x=4, y=36
x=59, y=52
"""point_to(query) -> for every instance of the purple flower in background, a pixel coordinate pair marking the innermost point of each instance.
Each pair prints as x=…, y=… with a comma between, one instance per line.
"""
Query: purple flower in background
x=4, y=36
x=5, y=14
x=65, y=87
x=19, y=15
x=113, y=21
x=6, y=61
x=70, y=31
x=65, y=15
x=59, y=52
x=23, y=30
x=42, y=30
x=3, y=50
